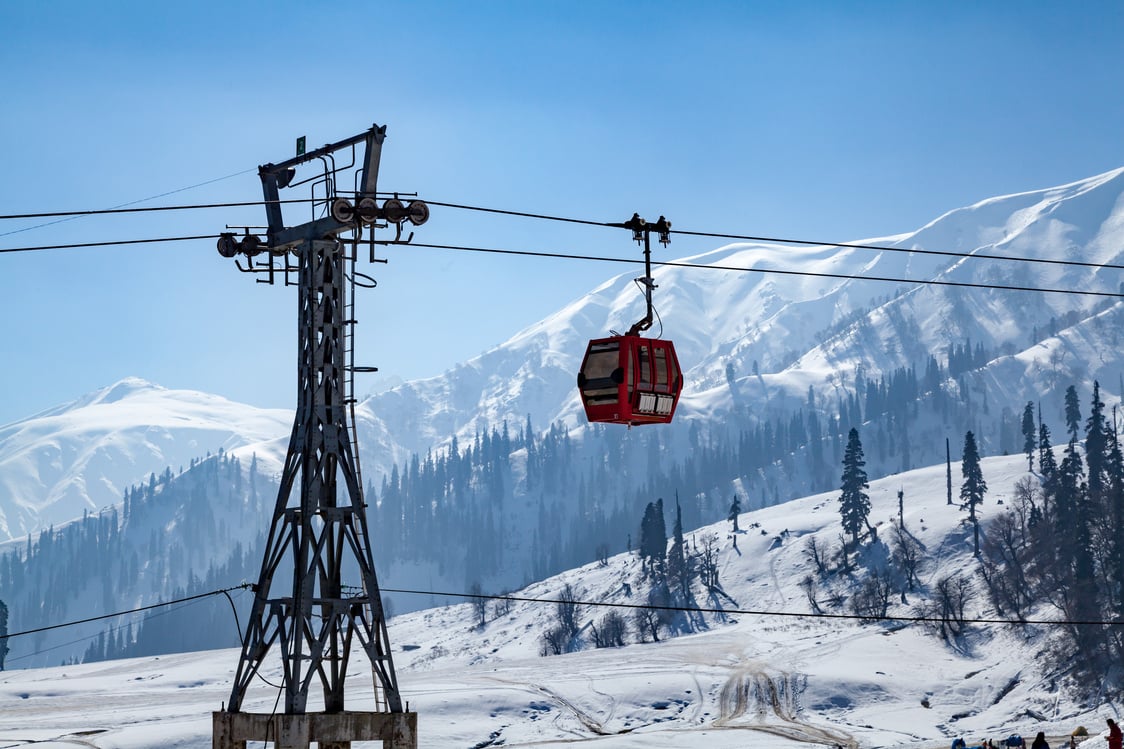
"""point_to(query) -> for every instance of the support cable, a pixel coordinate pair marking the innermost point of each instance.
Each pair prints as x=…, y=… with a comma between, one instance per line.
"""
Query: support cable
x=754, y=612
x=134, y=202
x=243, y=586
x=599, y=258
x=147, y=209
x=607, y=604
x=521, y=214
x=908, y=250
x=784, y=240
x=113, y=243
x=775, y=271
x=584, y=222
x=116, y=628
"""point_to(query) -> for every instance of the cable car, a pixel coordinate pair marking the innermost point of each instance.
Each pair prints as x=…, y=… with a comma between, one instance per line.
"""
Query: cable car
x=629, y=379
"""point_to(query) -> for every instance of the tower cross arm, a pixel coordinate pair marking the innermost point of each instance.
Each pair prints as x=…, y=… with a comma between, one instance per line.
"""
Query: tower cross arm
x=292, y=236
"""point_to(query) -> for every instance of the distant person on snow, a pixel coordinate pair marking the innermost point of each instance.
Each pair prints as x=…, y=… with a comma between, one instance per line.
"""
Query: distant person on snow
x=1115, y=738
x=1040, y=741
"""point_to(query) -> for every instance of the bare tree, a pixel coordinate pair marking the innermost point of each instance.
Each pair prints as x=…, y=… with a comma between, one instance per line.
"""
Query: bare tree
x=816, y=553
x=808, y=585
x=479, y=603
x=872, y=599
x=708, y=561
x=906, y=553
x=836, y=599
x=568, y=610
x=842, y=555
x=1028, y=495
x=647, y=623
x=610, y=631
x=1003, y=566
x=501, y=606
x=554, y=641
x=602, y=553
x=951, y=595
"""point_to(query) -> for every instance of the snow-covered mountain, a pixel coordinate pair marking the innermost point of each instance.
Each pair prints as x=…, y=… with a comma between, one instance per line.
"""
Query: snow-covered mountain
x=755, y=344
x=768, y=678
x=783, y=334
x=83, y=455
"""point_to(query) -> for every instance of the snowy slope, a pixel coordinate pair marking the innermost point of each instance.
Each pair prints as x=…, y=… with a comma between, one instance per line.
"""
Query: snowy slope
x=82, y=456
x=742, y=680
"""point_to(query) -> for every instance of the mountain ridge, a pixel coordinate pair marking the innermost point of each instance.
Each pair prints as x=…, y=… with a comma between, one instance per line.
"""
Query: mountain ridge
x=82, y=455
x=753, y=345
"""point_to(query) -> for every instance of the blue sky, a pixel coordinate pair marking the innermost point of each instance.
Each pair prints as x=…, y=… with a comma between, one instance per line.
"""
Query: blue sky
x=822, y=120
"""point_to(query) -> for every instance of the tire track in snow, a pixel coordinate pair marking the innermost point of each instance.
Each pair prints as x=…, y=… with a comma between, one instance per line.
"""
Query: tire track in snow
x=778, y=596
x=590, y=723
x=69, y=738
x=776, y=708
x=609, y=699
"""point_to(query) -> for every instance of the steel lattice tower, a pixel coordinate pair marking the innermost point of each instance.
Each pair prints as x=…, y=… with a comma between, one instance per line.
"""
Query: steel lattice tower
x=319, y=527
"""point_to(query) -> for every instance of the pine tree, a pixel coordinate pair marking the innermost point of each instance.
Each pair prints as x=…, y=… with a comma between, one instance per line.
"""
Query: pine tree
x=1047, y=464
x=735, y=510
x=653, y=538
x=854, y=504
x=1030, y=441
x=1068, y=483
x=1075, y=522
x=974, y=487
x=1096, y=447
x=3, y=634
x=676, y=560
x=947, y=471
x=1072, y=412
x=1115, y=499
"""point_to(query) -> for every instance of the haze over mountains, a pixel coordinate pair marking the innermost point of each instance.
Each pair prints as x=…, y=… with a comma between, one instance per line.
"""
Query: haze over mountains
x=753, y=344
x=778, y=368
x=805, y=331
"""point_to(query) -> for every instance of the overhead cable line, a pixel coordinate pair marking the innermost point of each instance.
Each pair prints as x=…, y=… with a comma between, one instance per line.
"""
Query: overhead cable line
x=775, y=271
x=920, y=619
x=116, y=628
x=886, y=248
x=755, y=612
x=134, y=202
x=585, y=222
x=149, y=209
x=182, y=603
x=503, y=212
x=600, y=258
x=113, y=243
x=784, y=240
x=220, y=591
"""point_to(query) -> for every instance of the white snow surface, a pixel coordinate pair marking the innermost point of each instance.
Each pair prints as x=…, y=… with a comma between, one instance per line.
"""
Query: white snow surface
x=83, y=455
x=744, y=679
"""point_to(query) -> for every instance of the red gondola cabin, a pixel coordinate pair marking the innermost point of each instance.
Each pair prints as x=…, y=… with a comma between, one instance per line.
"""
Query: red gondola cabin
x=630, y=380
